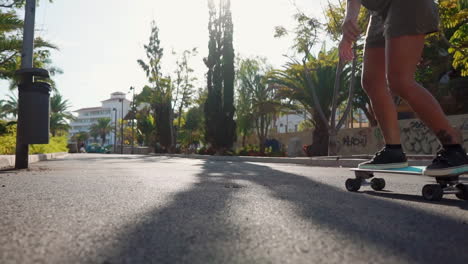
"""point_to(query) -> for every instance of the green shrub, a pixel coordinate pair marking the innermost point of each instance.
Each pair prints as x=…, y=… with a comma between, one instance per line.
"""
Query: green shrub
x=8, y=140
x=56, y=144
x=8, y=144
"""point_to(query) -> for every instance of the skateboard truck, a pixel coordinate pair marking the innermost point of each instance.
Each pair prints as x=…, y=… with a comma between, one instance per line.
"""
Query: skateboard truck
x=446, y=185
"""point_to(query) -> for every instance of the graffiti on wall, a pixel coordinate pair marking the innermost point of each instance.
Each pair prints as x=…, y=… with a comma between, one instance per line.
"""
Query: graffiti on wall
x=418, y=139
x=355, y=141
x=358, y=140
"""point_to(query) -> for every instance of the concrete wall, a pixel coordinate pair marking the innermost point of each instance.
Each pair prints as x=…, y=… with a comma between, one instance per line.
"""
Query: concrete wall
x=136, y=150
x=416, y=138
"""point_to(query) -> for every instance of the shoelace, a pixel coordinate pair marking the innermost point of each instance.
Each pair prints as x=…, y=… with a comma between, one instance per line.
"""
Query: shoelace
x=378, y=153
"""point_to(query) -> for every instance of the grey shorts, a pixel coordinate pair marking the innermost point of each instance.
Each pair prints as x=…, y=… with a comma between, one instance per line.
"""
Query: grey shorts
x=402, y=18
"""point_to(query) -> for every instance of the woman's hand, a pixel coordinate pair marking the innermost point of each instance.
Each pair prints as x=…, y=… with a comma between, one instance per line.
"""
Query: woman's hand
x=346, y=50
x=351, y=33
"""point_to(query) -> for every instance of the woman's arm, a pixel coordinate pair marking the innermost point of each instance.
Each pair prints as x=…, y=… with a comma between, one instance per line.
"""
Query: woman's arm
x=350, y=29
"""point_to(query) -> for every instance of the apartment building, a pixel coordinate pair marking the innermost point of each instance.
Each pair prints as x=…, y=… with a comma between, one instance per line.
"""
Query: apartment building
x=115, y=108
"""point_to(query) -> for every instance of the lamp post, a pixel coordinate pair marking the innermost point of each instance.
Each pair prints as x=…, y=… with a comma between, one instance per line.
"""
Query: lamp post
x=133, y=119
x=121, y=129
x=22, y=149
x=115, y=129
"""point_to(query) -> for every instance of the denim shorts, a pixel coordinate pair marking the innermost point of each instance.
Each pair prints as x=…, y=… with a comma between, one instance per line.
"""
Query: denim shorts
x=401, y=18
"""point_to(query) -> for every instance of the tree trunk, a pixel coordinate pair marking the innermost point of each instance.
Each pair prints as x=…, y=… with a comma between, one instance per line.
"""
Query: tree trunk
x=319, y=138
x=332, y=142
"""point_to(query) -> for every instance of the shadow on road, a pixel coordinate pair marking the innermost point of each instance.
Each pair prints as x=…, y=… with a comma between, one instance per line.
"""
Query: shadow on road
x=417, y=198
x=198, y=226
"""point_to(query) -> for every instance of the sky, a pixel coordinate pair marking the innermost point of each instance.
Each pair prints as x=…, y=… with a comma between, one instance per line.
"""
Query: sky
x=101, y=41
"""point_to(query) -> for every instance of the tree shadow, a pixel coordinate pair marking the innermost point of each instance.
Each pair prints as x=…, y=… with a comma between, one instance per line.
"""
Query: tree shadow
x=198, y=226
x=417, y=198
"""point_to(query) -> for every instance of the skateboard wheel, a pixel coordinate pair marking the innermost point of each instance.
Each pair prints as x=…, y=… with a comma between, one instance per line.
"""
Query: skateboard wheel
x=353, y=185
x=433, y=192
x=378, y=184
x=463, y=195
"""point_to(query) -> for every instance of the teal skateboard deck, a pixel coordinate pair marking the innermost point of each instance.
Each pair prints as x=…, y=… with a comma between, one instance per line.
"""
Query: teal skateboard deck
x=431, y=192
x=412, y=170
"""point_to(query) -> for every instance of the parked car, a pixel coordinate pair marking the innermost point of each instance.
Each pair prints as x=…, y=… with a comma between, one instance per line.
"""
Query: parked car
x=95, y=148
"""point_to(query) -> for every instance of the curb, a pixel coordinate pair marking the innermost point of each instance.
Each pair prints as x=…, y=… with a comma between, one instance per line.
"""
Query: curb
x=344, y=162
x=8, y=161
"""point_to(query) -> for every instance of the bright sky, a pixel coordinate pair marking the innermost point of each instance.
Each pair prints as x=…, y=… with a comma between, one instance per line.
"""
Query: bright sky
x=100, y=41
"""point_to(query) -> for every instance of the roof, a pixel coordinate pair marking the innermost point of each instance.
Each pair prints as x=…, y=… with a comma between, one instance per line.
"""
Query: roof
x=88, y=109
x=115, y=99
x=92, y=109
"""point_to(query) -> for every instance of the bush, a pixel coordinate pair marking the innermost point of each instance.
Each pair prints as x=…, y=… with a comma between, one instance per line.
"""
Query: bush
x=57, y=144
x=206, y=151
x=251, y=150
x=307, y=150
x=8, y=140
x=8, y=143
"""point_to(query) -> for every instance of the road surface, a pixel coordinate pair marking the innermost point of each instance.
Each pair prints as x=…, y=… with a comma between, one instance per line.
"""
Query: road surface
x=139, y=209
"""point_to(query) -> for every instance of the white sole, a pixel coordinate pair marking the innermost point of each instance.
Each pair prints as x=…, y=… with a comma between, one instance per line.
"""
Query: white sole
x=453, y=171
x=385, y=166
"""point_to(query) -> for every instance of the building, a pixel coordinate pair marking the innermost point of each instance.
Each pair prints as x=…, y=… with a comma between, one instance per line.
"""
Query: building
x=289, y=123
x=115, y=108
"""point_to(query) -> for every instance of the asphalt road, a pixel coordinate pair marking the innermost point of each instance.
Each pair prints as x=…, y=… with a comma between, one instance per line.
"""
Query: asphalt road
x=136, y=209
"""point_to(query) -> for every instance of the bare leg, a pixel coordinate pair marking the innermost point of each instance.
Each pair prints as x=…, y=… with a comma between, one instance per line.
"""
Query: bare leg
x=375, y=84
x=402, y=56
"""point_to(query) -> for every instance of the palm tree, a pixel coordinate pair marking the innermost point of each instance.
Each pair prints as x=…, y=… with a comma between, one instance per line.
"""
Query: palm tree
x=9, y=106
x=11, y=44
x=102, y=128
x=256, y=102
x=81, y=138
x=293, y=83
x=60, y=115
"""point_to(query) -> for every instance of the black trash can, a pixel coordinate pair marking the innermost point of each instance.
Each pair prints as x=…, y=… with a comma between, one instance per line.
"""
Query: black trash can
x=34, y=111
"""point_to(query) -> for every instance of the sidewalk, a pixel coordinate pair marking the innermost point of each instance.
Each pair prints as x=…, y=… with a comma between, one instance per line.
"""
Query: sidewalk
x=8, y=161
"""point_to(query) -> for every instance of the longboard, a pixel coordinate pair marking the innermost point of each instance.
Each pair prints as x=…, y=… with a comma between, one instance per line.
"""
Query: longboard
x=431, y=192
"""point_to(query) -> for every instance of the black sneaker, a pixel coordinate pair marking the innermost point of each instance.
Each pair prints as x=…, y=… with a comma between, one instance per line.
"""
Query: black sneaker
x=386, y=159
x=448, y=163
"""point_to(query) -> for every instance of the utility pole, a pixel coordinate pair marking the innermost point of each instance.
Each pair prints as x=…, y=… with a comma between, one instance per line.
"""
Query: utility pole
x=115, y=129
x=133, y=119
x=22, y=148
x=121, y=129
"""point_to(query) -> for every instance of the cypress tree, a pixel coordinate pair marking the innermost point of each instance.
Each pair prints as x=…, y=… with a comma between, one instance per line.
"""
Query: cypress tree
x=219, y=108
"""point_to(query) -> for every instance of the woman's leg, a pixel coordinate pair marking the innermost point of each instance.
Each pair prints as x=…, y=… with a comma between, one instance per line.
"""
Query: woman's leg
x=402, y=56
x=375, y=84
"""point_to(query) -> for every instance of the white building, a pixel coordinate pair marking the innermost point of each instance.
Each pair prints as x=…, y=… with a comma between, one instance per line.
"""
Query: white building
x=289, y=123
x=115, y=108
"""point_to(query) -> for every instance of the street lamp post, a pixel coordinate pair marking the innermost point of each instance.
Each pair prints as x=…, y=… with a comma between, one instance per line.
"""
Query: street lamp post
x=22, y=149
x=115, y=129
x=133, y=119
x=121, y=129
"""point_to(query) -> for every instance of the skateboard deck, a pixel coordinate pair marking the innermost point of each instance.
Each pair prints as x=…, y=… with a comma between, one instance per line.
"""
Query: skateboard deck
x=431, y=192
x=412, y=170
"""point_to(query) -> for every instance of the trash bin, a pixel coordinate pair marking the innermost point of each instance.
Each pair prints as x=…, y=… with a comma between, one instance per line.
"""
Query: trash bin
x=34, y=111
